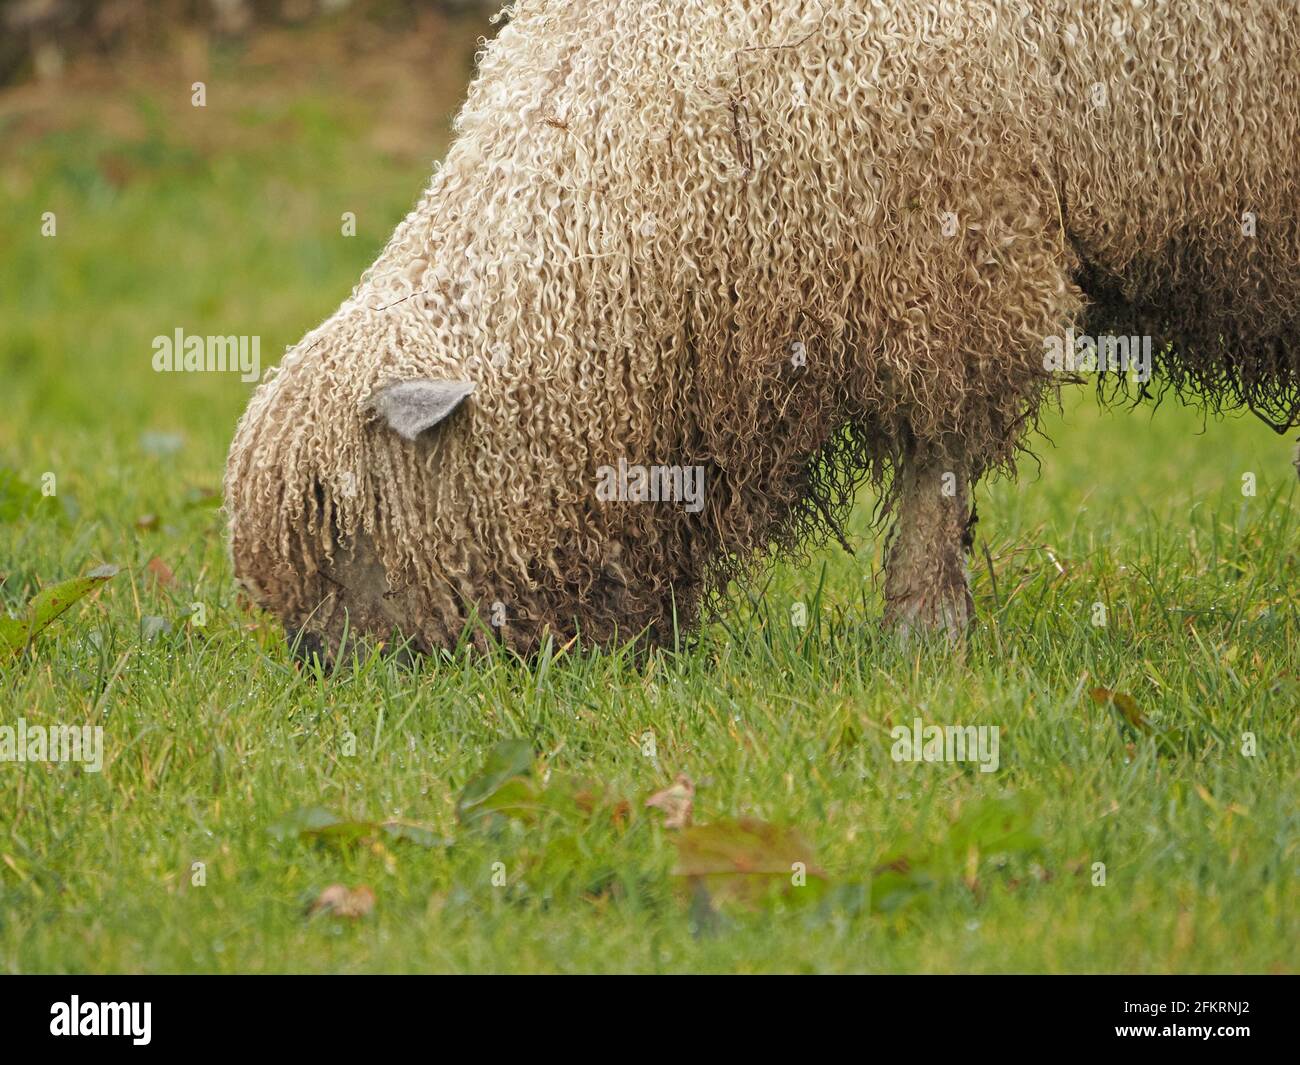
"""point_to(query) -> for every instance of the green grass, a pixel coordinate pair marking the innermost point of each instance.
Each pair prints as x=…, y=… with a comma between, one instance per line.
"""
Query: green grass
x=213, y=738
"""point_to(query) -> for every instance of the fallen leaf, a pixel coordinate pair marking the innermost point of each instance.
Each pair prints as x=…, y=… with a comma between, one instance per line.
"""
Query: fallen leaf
x=319, y=825
x=995, y=826
x=746, y=860
x=503, y=784
x=152, y=627
x=589, y=798
x=161, y=572
x=998, y=828
x=1168, y=740
x=338, y=901
x=47, y=606
x=1125, y=704
x=508, y=789
x=677, y=802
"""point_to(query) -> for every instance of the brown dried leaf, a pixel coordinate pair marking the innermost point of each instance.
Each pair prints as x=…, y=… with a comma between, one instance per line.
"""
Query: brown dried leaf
x=745, y=860
x=340, y=901
x=161, y=572
x=677, y=802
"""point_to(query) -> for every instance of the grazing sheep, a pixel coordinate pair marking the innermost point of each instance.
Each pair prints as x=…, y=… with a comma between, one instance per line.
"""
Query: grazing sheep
x=773, y=251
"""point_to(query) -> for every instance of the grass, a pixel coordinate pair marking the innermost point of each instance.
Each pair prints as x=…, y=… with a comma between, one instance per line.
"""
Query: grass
x=227, y=221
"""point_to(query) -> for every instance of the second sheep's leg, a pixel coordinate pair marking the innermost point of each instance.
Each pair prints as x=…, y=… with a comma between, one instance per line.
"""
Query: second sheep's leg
x=927, y=589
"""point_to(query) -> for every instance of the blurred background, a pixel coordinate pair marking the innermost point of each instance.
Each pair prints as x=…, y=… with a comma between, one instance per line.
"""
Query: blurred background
x=42, y=36
x=129, y=212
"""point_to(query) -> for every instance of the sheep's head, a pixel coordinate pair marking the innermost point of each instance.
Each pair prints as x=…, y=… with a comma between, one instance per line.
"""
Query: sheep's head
x=520, y=515
x=408, y=475
x=531, y=415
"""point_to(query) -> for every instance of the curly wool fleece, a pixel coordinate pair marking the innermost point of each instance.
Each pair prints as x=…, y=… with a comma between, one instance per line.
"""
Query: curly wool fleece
x=792, y=245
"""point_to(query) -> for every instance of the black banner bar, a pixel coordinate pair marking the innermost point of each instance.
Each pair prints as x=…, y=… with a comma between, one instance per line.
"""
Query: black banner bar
x=1224, y=1014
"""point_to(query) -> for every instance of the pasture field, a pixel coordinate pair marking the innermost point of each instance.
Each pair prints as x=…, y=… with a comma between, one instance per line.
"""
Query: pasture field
x=1138, y=648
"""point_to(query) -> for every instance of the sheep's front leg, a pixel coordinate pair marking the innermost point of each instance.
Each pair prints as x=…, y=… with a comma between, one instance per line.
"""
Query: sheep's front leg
x=926, y=585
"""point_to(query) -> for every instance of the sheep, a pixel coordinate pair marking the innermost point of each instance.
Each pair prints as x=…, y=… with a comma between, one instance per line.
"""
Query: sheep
x=792, y=248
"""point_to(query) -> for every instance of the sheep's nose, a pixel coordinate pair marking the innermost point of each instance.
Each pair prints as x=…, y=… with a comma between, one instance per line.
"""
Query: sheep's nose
x=306, y=646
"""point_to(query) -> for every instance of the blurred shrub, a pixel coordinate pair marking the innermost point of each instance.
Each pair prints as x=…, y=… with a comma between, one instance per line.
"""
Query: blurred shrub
x=39, y=37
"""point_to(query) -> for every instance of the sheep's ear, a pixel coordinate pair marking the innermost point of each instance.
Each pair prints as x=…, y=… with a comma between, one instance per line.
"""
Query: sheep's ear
x=411, y=407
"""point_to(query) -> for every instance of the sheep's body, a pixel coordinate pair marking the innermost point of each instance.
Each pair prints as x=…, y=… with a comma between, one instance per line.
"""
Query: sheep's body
x=794, y=244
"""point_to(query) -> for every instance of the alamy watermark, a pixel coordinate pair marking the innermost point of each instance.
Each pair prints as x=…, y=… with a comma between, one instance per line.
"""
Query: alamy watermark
x=1100, y=354
x=208, y=354
x=946, y=743
x=53, y=743
x=626, y=483
x=77, y=1018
